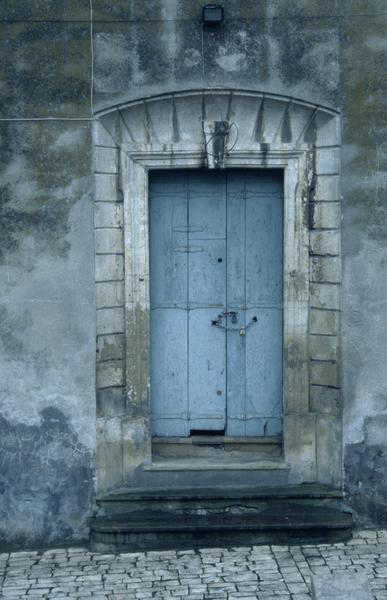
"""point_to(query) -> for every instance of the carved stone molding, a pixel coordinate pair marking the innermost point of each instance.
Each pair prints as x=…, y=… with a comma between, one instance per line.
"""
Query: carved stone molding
x=179, y=131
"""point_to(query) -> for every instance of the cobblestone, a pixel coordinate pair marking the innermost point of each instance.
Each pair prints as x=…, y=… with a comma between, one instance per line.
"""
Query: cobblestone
x=258, y=572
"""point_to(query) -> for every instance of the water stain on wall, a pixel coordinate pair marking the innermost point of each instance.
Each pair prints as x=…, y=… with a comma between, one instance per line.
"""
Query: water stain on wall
x=45, y=475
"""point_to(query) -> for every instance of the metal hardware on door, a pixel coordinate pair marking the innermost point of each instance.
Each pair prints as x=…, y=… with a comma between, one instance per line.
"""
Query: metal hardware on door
x=234, y=319
x=234, y=316
x=231, y=313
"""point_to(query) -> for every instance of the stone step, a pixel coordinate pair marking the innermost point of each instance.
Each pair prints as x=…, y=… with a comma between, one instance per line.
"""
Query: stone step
x=305, y=490
x=198, y=473
x=161, y=530
x=216, y=498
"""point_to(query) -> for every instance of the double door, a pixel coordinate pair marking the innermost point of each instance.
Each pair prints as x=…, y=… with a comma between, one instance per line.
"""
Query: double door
x=216, y=267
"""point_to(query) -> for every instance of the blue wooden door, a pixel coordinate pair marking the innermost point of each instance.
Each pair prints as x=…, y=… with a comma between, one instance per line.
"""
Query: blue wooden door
x=216, y=253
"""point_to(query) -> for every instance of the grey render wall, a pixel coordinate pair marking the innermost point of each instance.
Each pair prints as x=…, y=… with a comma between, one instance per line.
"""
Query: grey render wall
x=364, y=182
x=333, y=53
x=47, y=397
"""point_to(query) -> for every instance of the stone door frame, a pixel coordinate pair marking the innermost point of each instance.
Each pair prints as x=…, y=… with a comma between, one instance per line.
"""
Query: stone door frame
x=125, y=438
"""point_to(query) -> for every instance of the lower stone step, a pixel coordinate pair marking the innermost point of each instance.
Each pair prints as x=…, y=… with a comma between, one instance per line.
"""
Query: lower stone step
x=145, y=530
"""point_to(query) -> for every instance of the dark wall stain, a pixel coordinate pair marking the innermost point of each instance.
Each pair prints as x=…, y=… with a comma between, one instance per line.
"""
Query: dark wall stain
x=42, y=10
x=365, y=470
x=46, y=483
x=364, y=185
x=12, y=329
x=48, y=224
x=45, y=67
x=309, y=53
x=36, y=199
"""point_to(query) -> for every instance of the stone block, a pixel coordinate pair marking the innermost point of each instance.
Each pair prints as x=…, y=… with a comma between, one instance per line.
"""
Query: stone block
x=110, y=347
x=325, y=322
x=327, y=161
x=109, y=294
x=108, y=214
x=329, y=444
x=109, y=453
x=325, y=269
x=136, y=439
x=109, y=267
x=106, y=187
x=111, y=401
x=325, y=295
x=325, y=243
x=110, y=373
x=325, y=400
x=300, y=447
x=326, y=215
x=109, y=241
x=375, y=430
x=110, y=320
x=343, y=585
x=102, y=134
x=323, y=347
x=328, y=131
x=327, y=188
x=105, y=159
x=324, y=373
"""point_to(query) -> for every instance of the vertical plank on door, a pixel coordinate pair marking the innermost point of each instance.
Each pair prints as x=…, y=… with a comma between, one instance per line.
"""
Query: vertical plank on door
x=236, y=269
x=254, y=290
x=264, y=298
x=207, y=299
x=168, y=212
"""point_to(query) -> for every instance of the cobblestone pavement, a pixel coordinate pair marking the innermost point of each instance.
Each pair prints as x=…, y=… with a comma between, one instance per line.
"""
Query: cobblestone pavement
x=263, y=572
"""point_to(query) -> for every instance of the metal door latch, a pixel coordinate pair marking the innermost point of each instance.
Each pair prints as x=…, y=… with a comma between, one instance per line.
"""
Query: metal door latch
x=234, y=319
x=231, y=313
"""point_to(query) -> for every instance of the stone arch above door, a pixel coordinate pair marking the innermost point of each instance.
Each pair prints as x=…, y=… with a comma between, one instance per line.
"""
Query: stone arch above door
x=176, y=119
x=266, y=131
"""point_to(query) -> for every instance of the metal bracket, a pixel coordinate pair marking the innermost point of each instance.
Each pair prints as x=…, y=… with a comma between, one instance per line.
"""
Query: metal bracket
x=215, y=136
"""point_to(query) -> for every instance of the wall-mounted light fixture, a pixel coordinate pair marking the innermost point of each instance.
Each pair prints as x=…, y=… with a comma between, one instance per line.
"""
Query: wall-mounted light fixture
x=212, y=14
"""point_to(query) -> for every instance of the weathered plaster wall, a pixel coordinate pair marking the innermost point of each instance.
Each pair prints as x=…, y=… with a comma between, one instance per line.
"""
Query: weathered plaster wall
x=332, y=53
x=364, y=181
x=265, y=46
x=47, y=322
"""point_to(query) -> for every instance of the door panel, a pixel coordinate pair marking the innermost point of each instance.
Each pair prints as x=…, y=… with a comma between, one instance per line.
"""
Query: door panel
x=263, y=372
x=168, y=320
x=216, y=302
x=207, y=372
x=206, y=275
x=169, y=372
x=263, y=284
x=254, y=291
x=168, y=242
x=207, y=297
x=264, y=247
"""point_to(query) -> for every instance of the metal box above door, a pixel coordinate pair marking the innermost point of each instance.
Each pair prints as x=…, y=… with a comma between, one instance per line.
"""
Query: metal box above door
x=216, y=264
